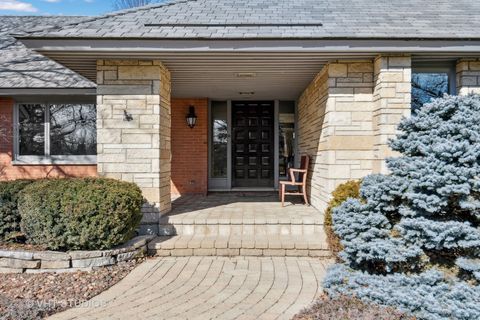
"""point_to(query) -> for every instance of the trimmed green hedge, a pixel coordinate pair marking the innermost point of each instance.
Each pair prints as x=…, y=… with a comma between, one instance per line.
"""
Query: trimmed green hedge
x=80, y=214
x=349, y=189
x=9, y=215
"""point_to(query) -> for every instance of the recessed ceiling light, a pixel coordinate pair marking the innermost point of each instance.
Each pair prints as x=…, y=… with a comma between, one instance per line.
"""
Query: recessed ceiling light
x=246, y=74
x=246, y=93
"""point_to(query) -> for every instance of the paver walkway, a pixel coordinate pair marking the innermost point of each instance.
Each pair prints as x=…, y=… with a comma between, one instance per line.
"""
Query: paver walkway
x=210, y=288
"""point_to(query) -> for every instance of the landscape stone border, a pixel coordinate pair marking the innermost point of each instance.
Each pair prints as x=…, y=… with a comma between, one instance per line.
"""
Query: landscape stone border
x=20, y=261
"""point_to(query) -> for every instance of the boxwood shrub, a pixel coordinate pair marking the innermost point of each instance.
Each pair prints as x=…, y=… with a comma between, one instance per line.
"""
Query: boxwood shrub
x=349, y=189
x=9, y=215
x=80, y=214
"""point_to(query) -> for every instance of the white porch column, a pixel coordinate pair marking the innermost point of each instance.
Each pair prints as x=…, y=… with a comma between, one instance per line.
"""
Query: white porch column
x=133, y=128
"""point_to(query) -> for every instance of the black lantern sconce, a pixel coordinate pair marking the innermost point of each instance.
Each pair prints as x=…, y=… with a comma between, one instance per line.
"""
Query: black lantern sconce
x=191, y=117
x=127, y=116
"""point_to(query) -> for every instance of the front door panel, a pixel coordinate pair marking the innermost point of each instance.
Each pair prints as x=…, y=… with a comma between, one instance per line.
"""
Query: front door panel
x=252, y=144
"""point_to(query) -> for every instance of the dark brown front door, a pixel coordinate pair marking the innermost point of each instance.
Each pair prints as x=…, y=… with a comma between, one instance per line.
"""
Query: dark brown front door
x=252, y=143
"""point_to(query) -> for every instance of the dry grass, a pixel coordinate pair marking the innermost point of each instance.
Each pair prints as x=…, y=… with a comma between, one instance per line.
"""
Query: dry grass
x=349, y=308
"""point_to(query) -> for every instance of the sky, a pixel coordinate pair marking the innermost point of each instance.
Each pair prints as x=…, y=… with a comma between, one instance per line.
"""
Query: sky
x=55, y=7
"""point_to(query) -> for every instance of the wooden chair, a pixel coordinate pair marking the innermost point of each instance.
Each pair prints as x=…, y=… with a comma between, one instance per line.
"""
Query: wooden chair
x=298, y=178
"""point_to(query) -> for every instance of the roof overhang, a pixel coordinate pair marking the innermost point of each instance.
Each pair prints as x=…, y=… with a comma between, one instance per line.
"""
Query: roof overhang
x=7, y=92
x=208, y=67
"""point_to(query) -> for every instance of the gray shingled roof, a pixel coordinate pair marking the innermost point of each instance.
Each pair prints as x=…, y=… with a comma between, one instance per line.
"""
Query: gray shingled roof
x=23, y=68
x=250, y=19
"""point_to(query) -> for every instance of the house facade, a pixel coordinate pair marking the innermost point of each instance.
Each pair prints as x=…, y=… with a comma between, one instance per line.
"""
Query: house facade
x=265, y=82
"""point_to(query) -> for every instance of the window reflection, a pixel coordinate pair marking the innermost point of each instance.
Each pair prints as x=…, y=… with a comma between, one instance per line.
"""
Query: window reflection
x=219, y=140
x=31, y=130
x=73, y=130
x=287, y=137
x=427, y=86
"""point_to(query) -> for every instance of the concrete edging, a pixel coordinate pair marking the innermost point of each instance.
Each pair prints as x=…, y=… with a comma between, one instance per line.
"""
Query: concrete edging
x=20, y=261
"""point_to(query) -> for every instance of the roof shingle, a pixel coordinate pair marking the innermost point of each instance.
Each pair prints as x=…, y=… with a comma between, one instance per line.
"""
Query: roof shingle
x=20, y=67
x=253, y=19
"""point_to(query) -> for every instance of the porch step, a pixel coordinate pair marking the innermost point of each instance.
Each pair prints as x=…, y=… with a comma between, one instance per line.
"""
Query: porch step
x=240, y=245
x=226, y=227
x=237, y=214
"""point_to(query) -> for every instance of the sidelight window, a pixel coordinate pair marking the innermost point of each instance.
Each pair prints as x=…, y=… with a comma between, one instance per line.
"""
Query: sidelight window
x=287, y=137
x=219, y=140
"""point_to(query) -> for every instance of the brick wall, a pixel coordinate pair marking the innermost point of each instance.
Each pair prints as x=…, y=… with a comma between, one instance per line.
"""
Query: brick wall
x=189, y=148
x=11, y=172
x=468, y=76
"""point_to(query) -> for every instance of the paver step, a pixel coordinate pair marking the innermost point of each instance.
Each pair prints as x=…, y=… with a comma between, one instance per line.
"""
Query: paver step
x=241, y=245
x=209, y=228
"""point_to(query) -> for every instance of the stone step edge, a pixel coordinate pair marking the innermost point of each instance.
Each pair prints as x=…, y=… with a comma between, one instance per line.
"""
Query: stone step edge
x=308, y=223
x=230, y=252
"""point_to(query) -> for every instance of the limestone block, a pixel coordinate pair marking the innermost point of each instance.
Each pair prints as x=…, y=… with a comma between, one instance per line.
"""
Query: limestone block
x=138, y=72
x=58, y=264
x=85, y=254
x=23, y=255
x=337, y=70
x=93, y=262
x=138, y=253
x=51, y=256
x=19, y=264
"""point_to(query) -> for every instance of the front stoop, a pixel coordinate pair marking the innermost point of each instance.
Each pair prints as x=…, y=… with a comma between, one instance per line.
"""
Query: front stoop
x=242, y=224
x=241, y=245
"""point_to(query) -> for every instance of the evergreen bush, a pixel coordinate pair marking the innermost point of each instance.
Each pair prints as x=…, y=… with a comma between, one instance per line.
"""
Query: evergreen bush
x=349, y=189
x=414, y=239
x=80, y=214
x=9, y=215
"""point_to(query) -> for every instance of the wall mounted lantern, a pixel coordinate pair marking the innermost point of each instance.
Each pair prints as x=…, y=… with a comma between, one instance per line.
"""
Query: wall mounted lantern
x=127, y=116
x=191, y=117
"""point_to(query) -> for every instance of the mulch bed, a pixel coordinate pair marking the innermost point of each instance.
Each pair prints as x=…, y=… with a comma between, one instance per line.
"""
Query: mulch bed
x=20, y=246
x=349, y=308
x=35, y=296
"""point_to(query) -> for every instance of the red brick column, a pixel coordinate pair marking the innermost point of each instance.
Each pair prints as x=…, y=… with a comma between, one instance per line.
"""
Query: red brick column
x=6, y=134
x=189, y=148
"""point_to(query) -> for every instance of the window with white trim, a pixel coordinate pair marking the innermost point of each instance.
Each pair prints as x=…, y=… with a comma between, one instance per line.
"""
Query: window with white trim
x=430, y=81
x=55, y=133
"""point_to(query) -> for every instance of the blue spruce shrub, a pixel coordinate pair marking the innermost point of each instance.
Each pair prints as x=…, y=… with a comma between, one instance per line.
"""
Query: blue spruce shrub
x=414, y=241
x=428, y=295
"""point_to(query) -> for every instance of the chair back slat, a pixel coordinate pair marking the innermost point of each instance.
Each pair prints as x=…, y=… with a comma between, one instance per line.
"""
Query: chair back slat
x=300, y=183
x=304, y=164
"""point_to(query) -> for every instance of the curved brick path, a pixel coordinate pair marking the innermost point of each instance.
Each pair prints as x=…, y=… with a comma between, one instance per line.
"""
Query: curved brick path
x=210, y=288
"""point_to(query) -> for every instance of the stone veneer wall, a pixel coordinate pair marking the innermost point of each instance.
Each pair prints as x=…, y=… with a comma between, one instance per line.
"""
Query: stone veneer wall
x=335, y=127
x=468, y=76
x=346, y=116
x=392, y=101
x=138, y=150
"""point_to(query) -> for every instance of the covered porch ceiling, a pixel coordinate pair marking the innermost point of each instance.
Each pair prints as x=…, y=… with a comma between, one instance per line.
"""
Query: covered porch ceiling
x=227, y=69
x=223, y=76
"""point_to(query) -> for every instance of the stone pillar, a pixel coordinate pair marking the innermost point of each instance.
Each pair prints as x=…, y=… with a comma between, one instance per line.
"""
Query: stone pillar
x=335, y=127
x=133, y=130
x=391, y=101
x=468, y=76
